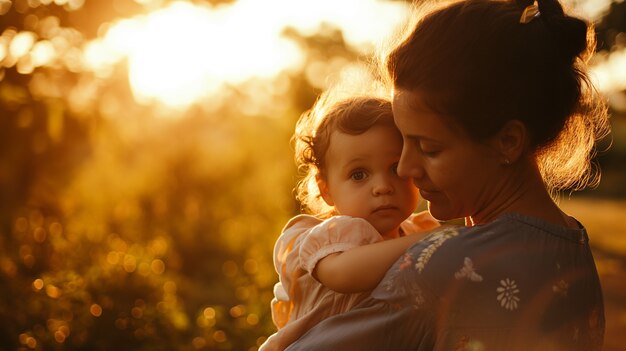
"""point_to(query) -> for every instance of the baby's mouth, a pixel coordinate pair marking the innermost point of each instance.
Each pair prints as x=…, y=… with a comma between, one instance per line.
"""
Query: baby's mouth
x=384, y=208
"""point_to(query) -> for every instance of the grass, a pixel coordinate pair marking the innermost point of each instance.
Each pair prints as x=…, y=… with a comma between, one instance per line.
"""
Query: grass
x=605, y=220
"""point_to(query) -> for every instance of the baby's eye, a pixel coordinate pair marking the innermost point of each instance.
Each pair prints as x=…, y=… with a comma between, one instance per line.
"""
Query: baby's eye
x=358, y=175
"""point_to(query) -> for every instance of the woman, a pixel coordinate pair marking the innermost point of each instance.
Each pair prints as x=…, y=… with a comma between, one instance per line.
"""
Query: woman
x=496, y=114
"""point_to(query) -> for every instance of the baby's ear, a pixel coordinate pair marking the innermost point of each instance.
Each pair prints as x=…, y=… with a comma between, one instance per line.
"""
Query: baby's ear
x=322, y=185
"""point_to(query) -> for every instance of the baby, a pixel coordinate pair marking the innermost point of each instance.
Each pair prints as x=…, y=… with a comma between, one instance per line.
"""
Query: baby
x=362, y=215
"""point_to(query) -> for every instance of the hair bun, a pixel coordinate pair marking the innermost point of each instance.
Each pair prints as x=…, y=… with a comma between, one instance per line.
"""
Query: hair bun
x=523, y=3
x=569, y=32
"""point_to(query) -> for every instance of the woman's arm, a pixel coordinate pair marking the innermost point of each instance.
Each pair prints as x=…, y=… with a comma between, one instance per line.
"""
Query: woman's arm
x=286, y=336
x=363, y=267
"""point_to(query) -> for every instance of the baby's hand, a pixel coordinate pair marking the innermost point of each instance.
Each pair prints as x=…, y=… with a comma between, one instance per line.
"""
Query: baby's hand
x=420, y=222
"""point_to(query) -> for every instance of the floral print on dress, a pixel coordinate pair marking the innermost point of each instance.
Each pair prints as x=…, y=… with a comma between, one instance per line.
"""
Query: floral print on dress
x=507, y=294
x=596, y=329
x=465, y=343
x=467, y=271
x=560, y=288
x=461, y=344
x=576, y=334
x=419, y=299
x=405, y=293
x=436, y=239
x=397, y=287
x=406, y=260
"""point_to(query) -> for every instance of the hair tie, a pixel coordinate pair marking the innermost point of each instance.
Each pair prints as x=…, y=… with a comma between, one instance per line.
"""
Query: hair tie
x=530, y=12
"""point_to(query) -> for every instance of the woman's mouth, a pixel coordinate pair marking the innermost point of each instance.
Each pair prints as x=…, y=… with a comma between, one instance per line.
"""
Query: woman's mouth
x=427, y=195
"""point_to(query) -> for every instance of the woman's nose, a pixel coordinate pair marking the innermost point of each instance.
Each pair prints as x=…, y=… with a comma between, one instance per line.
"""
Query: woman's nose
x=410, y=165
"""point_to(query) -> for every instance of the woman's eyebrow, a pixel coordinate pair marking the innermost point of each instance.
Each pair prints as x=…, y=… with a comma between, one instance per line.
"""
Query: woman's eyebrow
x=418, y=137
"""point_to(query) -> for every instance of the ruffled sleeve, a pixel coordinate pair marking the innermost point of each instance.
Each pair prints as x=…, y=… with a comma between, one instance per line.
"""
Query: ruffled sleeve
x=336, y=234
x=281, y=306
x=286, y=262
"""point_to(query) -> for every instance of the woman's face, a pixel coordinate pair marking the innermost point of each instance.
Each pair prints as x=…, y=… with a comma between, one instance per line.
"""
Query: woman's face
x=457, y=175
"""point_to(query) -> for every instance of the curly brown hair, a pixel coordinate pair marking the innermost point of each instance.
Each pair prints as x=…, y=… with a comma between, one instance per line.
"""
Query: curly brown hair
x=354, y=115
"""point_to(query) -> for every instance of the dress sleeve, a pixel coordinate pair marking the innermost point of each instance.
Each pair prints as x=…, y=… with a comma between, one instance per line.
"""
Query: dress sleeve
x=286, y=251
x=336, y=234
x=281, y=306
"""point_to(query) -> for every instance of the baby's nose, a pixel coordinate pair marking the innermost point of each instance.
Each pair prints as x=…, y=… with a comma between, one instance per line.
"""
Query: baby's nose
x=382, y=186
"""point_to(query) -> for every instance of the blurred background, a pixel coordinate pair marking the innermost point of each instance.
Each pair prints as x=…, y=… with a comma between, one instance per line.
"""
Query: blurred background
x=146, y=167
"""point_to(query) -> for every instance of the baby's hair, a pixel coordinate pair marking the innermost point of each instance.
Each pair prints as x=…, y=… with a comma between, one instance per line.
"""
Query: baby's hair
x=480, y=67
x=353, y=115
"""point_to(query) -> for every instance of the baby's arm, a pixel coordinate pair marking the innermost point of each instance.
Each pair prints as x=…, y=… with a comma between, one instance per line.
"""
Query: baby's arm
x=363, y=267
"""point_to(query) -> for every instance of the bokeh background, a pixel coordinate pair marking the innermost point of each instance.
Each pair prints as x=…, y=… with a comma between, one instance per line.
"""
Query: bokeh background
x=146, y=167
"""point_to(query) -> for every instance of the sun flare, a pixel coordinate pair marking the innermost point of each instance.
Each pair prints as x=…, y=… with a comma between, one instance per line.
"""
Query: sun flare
x=186, y=52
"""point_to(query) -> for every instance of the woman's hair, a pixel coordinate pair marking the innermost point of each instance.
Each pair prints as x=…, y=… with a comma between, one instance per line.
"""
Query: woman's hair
x=354, y=116
x=477, y=64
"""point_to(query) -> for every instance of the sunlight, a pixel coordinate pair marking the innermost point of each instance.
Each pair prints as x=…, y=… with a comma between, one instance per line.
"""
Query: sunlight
x=609, y=77
x=609, y=71
x=22, y=43
x=589, y=9
x=184, y=52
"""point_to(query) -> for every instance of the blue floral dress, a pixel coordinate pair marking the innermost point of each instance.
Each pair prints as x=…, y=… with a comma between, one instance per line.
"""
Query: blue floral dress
x=517, y=283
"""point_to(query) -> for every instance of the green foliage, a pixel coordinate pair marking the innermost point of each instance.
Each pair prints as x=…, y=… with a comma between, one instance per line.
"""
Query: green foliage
x=168, y=232
x=157, y=240
x=123, y=230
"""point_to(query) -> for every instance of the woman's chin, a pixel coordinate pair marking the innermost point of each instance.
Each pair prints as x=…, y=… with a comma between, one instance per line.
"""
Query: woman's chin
x=440, y=213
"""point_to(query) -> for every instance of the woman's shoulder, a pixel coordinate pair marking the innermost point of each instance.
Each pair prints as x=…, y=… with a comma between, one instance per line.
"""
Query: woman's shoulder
x=446, y=238
x=511, y=242
x=535, y=226
x=509, y=226
x=447, y=247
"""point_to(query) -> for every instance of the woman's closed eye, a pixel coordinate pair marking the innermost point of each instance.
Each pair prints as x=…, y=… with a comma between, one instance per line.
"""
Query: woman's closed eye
x=429, y=151
x=358, y=175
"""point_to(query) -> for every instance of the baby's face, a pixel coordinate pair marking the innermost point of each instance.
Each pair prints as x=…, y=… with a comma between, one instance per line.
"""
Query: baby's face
x=362, y=180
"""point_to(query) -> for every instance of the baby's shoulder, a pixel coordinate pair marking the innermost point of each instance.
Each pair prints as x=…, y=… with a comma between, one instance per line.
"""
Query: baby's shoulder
x=303, y=228
x=301, y=221
x=305, y=222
